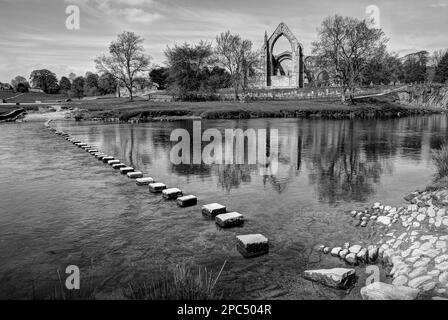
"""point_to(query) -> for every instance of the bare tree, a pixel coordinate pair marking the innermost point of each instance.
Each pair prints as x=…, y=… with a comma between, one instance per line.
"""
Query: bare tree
x=347, y=45
x=237, y=57
x=126, y=61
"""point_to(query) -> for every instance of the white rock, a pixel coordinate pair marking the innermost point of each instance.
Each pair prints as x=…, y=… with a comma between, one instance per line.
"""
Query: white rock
x=384, y=220
x=335, y=251
x=418, y=282
x=111, y=162
x=400, y=280
x=383, y=291
x=355, y=249
x=339, y=278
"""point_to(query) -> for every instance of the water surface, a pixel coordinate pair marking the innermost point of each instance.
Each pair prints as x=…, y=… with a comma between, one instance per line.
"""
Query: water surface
x=60, y=206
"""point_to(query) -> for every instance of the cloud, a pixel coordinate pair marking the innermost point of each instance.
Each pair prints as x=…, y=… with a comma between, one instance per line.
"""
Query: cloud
x=133, y=11
x=439, y=5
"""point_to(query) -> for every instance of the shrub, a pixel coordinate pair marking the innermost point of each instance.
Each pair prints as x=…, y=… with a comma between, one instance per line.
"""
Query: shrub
x=179, y=283
x=440, y=158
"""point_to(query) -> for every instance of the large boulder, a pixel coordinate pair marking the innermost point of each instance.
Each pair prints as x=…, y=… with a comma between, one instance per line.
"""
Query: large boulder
x=338, y=278
x=384, y=291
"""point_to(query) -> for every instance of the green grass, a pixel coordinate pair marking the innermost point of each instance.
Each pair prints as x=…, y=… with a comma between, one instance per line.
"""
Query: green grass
x=178, y=283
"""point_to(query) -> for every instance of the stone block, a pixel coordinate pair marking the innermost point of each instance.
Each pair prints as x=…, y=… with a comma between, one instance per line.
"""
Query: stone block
x=252, y=245
x=118, y=166
x=187, y=201
x=229, y=220
x=172, y=193
x=135, y=175
x=144, y=181
x=108, y=158
x=157, y=187
x=111, y=162
x=213, y=209
x=126, y=170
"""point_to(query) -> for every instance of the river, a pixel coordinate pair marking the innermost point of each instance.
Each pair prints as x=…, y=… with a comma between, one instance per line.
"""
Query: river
x=59, y=206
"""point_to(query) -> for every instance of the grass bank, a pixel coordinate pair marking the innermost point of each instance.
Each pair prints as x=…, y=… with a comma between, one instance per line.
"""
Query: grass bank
x=378, y=107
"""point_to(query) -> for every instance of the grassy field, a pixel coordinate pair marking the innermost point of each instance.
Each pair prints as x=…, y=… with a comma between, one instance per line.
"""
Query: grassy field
x=146, y=111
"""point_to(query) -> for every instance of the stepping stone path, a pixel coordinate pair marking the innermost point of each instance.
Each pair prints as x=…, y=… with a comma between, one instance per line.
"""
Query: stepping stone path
x=248, y=245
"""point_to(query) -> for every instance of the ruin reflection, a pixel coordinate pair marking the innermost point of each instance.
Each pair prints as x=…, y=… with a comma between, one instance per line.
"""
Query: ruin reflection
x=340, y=160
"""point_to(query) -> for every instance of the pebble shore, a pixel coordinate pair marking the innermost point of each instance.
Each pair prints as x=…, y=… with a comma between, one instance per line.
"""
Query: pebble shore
x=413, y=242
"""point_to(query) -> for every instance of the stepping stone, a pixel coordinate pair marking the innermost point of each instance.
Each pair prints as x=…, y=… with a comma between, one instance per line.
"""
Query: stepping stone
x=144, y=181
x=108, y=158
x=119, y=166
x=252, y=245
x=135, y=175
x=92, y=150
x=339, y=278
x=213, y=209
x=172, y=193
x=101, y=156
x=87, y=147
x=80, y=144
x=229, y=220
x=111, y=162
x=156, y=187
x=126, y=170
x=187, y=201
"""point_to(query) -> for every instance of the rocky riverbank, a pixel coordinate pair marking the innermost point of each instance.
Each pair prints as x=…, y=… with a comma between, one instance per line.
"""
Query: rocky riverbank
x=412, y=245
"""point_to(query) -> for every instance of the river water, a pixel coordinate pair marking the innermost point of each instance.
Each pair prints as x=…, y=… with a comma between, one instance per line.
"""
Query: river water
x=59, y=206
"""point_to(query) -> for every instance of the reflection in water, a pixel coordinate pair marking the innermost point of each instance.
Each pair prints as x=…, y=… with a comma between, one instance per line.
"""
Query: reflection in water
x=342, y=160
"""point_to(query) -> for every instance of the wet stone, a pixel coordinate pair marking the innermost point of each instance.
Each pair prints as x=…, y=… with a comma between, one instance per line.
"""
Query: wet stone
x=172, y=193
x=213, y=209
x=144, y=181
x=229, y=220
x=135, y=175
x=187, y=201
x=252, y=245
x=156, y=187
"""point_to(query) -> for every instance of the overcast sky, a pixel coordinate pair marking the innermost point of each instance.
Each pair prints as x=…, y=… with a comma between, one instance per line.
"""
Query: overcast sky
x=33, y=34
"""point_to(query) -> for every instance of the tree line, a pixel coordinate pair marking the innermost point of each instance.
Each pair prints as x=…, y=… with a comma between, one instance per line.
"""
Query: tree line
x=349, y=49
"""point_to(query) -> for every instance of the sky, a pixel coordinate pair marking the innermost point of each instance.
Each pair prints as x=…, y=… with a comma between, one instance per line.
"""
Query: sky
x=33, y=33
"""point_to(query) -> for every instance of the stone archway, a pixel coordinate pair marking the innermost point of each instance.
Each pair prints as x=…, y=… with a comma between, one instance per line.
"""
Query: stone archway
x=270, y=79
